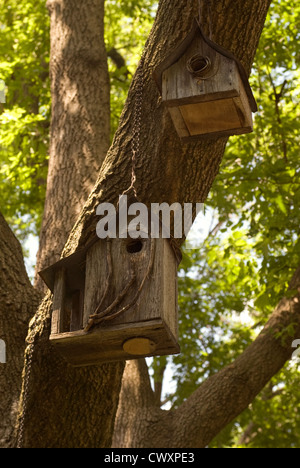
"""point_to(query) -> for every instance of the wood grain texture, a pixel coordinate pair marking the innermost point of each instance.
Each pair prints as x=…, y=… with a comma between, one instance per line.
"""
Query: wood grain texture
x=104, y=345
x=59, y=298
x=160, y=282
x=222, y=78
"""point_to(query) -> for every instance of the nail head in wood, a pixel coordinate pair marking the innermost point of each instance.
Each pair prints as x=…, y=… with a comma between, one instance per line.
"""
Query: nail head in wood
x=139, y=346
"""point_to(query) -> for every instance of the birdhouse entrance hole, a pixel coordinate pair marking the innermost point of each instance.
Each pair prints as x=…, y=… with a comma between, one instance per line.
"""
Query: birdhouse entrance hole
x=134, y=246
x=199, y=66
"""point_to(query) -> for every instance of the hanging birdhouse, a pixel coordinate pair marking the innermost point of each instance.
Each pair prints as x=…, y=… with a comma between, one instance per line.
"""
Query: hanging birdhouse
x=116, y=300
x=205, y=89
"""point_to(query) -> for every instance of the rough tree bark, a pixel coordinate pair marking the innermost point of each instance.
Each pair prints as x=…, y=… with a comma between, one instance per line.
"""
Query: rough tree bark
x=80, y=121
x=79, y=142
x=69, y=407
x=18, y=303
x=59, y=414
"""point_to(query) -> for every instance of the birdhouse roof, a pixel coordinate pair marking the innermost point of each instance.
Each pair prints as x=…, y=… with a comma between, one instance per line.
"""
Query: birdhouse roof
x=68, y=264
x=179, y=51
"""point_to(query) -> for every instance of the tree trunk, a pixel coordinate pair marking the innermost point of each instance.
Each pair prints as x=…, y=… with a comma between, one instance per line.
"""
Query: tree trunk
x=80, y=126
x=18, y=303
x=63, y=408
x=62, y=411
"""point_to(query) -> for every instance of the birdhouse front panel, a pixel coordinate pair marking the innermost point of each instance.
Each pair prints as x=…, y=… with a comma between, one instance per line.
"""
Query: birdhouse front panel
x=201, y=74
x=139, y=272
x=68, y=297
x=123, y=307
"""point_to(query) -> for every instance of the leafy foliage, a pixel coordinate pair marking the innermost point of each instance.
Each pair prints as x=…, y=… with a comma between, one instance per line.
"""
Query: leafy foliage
x=24, y=120
x=259, y=183
x=127, y=26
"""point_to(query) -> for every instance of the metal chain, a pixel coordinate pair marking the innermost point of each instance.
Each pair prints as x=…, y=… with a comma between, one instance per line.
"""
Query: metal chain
x=28, y=367
x=208, y=16
x=137, y=123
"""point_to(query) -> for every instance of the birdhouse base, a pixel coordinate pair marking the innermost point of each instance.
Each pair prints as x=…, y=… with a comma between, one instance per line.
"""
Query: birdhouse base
x=116, y=343
x=212, y=119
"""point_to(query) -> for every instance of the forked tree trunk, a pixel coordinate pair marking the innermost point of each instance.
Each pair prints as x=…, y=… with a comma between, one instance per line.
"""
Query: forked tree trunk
x=76, y=408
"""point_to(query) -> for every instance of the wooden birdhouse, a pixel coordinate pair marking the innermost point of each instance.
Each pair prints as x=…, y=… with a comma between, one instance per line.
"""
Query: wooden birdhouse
x=205, y=89
x=116, y=300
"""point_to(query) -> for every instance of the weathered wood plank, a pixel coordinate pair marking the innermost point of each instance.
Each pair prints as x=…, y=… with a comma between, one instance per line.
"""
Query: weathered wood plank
x=58, y=302
x=77, y=310
x=106, y=344
x=96, y=275
x=179, y=123
x=222, y=80
x=206, y=90
x=170, y=290
x=210, y=117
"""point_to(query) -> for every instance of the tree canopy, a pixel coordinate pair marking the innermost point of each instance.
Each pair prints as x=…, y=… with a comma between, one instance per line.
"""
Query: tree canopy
x=231, y=280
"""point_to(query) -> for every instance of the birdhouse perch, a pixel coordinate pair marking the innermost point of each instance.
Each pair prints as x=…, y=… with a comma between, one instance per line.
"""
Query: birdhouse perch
x=205, y=89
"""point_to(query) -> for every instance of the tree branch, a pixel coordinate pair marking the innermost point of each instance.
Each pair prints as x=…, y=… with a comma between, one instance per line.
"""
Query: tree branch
x=277, y=98
x=136, y=396
x=189, y=170
x=225, y=395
